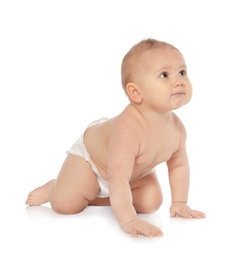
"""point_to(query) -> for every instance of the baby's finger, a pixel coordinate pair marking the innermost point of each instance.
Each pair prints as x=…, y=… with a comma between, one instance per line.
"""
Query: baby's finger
x=172, y=213
x=197, y=214
x=200, y=214
x=186, y=212
x=150, y=231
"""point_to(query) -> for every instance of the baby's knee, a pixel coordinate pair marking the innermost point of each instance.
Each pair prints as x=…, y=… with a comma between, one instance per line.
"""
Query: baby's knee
x=151, y=202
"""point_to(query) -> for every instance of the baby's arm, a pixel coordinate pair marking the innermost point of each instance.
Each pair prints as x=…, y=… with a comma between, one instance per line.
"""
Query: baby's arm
x=179, y=175
x=123, y=149
x=122, y=204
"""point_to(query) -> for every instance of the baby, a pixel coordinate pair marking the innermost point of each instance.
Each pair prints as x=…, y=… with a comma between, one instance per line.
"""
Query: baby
x=113, y=162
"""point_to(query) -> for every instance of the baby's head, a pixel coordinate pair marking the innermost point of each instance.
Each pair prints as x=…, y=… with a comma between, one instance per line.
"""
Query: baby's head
x=131, y=59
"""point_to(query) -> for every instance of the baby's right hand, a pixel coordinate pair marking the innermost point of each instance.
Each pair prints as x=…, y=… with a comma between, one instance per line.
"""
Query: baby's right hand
x=142, y=227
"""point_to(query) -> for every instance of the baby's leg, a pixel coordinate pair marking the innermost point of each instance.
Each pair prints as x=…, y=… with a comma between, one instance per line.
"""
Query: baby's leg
x=100, y=202
x=75, y=186
x=147, y=194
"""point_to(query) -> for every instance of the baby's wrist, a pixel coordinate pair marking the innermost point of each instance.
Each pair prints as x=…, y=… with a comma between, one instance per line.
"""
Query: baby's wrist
x=129, y=222
x=179, y=202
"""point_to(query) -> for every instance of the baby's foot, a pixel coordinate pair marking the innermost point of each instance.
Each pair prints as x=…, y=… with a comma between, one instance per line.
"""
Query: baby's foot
x=40, y=195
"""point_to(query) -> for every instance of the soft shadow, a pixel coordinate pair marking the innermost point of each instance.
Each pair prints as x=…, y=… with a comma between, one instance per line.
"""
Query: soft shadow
x=183, y=221
x=152, y=218
x=40, y=212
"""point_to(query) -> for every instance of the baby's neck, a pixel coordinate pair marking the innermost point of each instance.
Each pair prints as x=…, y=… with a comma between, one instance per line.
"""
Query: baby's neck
x=152, y=117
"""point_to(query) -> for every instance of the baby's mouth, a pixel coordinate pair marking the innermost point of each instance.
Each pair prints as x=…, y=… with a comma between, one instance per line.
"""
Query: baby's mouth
x=178, y=94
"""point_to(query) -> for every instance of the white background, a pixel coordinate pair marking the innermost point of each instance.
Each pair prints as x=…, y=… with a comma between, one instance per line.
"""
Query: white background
x=60, y=70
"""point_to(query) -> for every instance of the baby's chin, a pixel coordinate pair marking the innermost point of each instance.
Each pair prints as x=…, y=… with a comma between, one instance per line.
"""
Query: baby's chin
x=181, y=104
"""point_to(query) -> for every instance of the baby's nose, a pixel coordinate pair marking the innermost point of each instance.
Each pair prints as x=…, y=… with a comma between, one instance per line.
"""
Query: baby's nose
x=179, y=83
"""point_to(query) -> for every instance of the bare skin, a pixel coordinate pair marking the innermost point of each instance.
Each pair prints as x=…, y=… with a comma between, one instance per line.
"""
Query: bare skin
x=40, y=196
x=127, y=147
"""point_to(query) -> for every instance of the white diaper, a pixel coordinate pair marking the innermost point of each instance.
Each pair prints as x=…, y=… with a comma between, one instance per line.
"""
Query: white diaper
x=79, y=148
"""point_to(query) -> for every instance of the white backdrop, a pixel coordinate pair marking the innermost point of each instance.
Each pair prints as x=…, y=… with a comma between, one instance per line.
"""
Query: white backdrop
x=60, y=69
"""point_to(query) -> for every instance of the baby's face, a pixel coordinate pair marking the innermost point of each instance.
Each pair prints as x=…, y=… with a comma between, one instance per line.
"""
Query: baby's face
x=161, y=75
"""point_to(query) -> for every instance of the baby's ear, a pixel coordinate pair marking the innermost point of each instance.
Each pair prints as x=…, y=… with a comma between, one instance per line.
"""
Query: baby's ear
x=133, y=92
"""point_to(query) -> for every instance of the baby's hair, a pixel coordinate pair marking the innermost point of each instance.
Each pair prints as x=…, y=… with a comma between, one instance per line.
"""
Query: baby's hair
x=130, y=59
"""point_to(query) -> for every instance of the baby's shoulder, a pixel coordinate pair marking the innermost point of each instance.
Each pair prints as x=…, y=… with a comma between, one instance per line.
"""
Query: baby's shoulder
x=128, y=117
x=125, y=121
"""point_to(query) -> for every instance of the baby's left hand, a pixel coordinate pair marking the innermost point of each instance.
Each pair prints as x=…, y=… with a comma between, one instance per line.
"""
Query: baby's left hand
x=182, y=210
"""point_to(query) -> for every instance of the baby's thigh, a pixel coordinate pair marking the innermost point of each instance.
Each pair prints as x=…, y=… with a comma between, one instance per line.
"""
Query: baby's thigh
x=76, y=185
x=147, y=194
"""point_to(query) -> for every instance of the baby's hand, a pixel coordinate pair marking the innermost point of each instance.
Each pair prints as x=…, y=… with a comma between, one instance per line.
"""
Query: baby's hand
x=142, y=227
x=182, y=210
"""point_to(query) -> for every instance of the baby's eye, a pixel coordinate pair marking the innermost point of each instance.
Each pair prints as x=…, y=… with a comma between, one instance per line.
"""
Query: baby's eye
x=164, y=75
x=182, y=73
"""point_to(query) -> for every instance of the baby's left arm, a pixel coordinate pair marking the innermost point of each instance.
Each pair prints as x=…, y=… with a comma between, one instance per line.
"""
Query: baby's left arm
x=179, y=176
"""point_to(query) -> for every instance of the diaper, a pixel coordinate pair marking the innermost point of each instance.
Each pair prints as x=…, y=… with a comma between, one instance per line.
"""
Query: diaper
x=79, y=148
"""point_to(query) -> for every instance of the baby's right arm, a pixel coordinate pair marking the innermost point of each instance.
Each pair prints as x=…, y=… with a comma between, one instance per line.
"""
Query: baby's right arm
x=122, y=204
x=122, y=151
